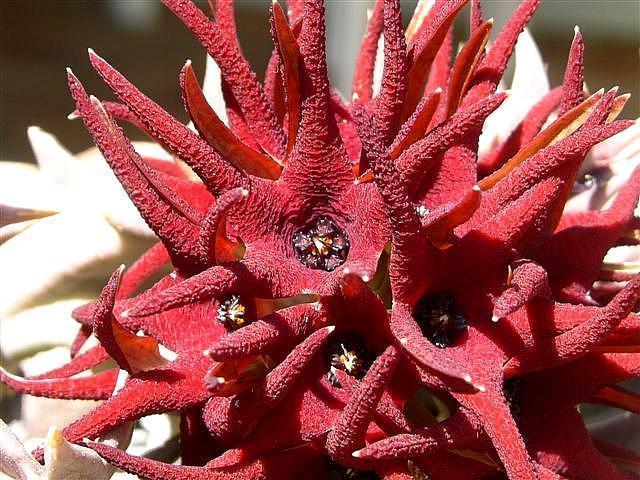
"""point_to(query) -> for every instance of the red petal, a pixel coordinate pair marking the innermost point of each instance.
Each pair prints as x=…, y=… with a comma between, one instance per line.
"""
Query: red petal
x=95, y=387
x=218, y=135
x=528, y=281
x=215, y=281
x=210, y=167
x=573, y=83
x=290, y=57
x=171, y=218
x=215, y=246
x=425, y=50
x=579, y=340
x=237, y=74
x=349, y=431
x=231, y=418
x=465, y=65
x=390, y=101
x=365, y=64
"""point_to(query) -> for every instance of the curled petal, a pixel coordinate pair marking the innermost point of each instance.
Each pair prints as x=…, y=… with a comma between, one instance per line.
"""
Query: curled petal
x=528, y=281
x=457, y=432
x=390, y=100
x=215, y=247
x=265, y=334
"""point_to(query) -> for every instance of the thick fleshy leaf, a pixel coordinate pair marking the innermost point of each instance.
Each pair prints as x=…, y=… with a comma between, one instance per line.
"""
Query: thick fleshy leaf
x=14, y=459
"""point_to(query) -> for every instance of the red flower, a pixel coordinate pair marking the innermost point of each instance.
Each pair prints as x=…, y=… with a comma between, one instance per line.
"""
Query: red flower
x=300, y=336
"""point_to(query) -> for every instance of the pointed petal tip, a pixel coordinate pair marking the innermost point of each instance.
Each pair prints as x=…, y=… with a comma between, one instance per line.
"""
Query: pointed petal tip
x=495, y=318
x=478, y=386
x=356, y=454
x=330, y=328
x=95, y=101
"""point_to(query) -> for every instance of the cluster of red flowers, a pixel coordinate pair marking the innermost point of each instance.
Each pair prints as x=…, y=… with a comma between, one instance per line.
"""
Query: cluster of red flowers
x=357, y=294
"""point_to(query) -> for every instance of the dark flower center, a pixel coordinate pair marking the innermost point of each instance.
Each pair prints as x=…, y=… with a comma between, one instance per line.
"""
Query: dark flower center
x=350, y=354
x=591, y=178
x=512, y=390
x=339, y=472
x=438, y=319
x=233, y=312
x=321, y=245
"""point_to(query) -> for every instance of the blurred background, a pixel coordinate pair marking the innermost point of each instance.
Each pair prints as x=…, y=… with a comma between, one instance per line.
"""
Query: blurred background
x=144, y=41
